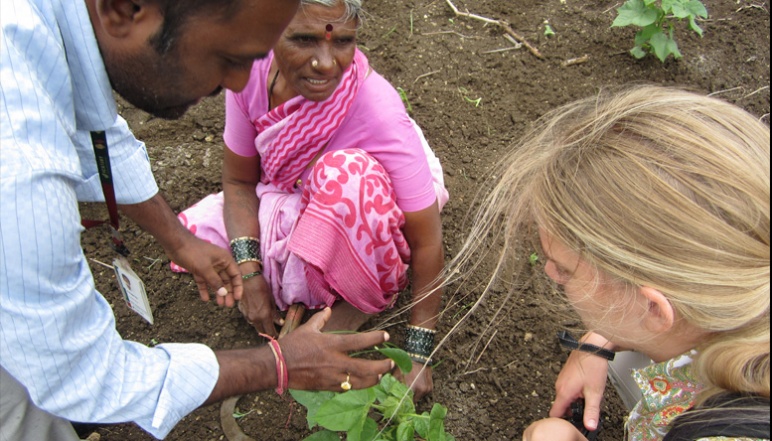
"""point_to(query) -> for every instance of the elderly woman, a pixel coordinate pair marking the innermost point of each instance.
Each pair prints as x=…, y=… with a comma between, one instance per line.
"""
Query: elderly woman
x=329, y=188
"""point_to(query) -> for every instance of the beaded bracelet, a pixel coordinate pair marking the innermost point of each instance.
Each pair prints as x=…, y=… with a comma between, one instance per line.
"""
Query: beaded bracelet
x=419, y=343
x=250, y=275
x=282, y=375
x=246, y=249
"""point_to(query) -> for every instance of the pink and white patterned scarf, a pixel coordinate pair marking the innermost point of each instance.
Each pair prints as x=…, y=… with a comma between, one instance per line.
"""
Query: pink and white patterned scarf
x=291, y=135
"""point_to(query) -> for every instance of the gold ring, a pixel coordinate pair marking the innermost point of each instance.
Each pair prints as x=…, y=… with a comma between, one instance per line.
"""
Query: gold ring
x=315, y=64
x=346, y=385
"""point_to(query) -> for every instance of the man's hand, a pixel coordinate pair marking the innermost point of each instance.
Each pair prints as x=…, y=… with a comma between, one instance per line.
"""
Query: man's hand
x=318, y=361
x=212, y=267
x=258, y=306
x=419, y=379
x=314, y=361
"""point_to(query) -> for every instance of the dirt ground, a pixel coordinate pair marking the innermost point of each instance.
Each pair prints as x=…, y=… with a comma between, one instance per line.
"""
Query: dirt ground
x=472, y=101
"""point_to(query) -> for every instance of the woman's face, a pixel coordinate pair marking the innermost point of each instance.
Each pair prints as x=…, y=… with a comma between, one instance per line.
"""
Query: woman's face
x=601, y=303
x=315, y=50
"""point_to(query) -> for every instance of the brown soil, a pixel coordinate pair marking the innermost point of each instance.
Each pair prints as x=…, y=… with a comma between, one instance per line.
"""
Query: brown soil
x=496, y=379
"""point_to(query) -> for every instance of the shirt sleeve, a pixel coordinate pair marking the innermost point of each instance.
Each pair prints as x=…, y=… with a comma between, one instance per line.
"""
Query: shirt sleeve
x=133, y=180
x=57, y=333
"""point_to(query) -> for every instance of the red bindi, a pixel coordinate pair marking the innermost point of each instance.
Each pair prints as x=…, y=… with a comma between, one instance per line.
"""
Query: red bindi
x=329, y=29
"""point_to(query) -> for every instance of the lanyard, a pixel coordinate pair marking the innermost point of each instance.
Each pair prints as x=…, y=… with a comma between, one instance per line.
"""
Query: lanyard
x=99, y=140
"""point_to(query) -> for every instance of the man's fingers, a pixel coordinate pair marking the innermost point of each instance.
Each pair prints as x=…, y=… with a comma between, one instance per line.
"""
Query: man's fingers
x=232, y=276
x=318, y=320
x=356, y=342
x=203, y=289
x=366, y=373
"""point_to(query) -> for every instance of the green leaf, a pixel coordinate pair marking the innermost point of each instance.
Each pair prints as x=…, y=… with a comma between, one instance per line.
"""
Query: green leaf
x=635, y=12
x=396, y=407
x=406, y=431
x=421, y=424
x=664, y=46
x=345, y=411
x=311, y=400
x=324, y=435
x=399, y=389
x=638, y=52
x=668, y=6
x=643, y=36
x=366, y=431
x=400, y=357
x=696, y=8
x=694, y=26
x=437, y=423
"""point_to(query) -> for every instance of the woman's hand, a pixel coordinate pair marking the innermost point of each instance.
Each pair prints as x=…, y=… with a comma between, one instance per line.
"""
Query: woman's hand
x=583, y=376
x=258, y=306
x=419, y=379
x=552, y=429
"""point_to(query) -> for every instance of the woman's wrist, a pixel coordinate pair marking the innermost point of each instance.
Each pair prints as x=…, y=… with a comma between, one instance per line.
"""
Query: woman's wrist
x=597, y=340
x=419, y=343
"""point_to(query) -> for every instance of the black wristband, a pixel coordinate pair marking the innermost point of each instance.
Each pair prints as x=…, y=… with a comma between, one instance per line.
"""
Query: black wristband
x=569, y=342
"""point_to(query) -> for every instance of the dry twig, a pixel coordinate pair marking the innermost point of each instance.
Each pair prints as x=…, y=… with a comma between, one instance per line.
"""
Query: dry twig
x=502, y=24
x=426, y=75
x=577, y=60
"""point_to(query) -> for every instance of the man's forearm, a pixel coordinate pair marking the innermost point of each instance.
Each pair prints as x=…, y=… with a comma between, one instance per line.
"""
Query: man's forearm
x=157, y=218
x=244, y=371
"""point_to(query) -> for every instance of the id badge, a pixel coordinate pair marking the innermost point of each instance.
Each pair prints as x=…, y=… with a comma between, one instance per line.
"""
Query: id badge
x=133, y=289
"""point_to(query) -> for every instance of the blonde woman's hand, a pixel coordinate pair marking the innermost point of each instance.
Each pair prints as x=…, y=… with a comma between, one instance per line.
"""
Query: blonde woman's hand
x=583, y=376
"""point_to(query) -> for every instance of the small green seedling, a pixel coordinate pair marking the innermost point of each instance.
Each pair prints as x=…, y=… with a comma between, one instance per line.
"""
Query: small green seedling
x=657, y=19
x=533, y=259
x=548, y=31
x=384, y=412
x=403, y=95
x=464, y=93
x=238, y=414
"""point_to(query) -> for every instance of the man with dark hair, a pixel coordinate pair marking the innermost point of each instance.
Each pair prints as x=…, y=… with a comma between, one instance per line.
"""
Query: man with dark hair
x=62, y=358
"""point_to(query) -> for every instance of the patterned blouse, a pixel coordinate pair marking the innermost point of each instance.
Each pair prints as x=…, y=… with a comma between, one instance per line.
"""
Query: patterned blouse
x=669, y=389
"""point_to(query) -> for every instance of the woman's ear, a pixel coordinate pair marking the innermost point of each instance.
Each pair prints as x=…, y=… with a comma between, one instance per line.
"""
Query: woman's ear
x=119, y=18
x=660, y=314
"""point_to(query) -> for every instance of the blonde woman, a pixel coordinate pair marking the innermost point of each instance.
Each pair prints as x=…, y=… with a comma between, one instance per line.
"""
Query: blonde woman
x=652, y=211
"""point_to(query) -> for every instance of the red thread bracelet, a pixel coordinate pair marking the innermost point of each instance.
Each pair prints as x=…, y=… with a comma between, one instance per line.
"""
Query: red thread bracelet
x=281, y=365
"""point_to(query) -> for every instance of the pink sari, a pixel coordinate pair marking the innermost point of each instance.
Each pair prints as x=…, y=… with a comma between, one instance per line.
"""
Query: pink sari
x=336, y=235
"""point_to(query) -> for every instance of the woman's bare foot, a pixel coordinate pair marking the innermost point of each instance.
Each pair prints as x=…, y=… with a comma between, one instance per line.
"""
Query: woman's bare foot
x=345, y=318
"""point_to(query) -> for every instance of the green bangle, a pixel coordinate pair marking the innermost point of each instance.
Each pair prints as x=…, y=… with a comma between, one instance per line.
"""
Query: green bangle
x=250, y=275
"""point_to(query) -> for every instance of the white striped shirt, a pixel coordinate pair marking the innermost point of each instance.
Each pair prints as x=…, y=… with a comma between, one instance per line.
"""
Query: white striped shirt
x=57, y=333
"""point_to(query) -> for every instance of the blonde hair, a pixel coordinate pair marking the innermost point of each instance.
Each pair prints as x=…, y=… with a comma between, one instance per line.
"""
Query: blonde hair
x=654, y=187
